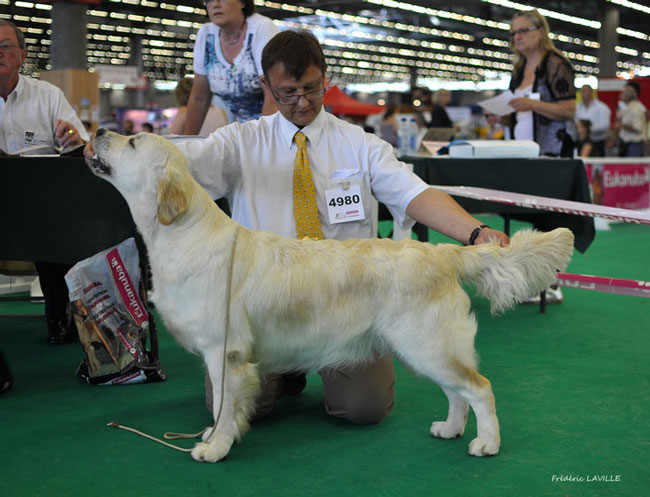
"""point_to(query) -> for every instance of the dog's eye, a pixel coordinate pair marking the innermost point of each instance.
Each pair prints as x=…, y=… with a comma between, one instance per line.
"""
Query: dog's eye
x=132, y=142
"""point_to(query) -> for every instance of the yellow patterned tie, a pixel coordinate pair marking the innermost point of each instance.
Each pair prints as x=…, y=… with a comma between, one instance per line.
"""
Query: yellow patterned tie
x=304, y=194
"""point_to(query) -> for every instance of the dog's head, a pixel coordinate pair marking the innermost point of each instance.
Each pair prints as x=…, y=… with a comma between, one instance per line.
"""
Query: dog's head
x=148, y=170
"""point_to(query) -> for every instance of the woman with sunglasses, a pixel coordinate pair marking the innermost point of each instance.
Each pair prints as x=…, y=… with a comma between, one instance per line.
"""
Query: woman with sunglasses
x=227, y=63
x=542, y=82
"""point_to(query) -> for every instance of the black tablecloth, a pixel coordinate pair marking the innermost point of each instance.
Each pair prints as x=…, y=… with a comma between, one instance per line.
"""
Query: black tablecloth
x=53, y=209
x=557, y=178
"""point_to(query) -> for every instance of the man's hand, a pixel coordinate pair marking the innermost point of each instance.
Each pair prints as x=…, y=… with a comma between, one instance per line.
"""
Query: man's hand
x=66, y=134
x=488, y=235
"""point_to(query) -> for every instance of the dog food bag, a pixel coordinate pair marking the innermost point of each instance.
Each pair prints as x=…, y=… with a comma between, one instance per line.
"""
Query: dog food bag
x=111, y=319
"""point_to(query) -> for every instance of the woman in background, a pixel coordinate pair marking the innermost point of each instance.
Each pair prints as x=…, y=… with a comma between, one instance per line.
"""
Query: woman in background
x=214, y=117
x=542, y=82
x=227, y=63
x=439, y=116
x=388, y=126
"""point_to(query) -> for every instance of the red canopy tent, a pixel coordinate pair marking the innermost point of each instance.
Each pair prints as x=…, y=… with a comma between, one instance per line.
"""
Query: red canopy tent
x=338, y=103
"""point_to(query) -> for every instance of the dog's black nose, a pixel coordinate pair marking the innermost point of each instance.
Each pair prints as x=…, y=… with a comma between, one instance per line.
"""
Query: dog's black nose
x=100, y=132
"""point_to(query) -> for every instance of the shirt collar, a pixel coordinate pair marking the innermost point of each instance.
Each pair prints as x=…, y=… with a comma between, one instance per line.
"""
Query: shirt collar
x=18, y=89
x=313, y=131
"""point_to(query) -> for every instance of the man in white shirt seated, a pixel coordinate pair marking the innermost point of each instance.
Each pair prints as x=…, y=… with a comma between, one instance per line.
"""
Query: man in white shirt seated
x=252, y=164
x=593, y=110
x=36, y=115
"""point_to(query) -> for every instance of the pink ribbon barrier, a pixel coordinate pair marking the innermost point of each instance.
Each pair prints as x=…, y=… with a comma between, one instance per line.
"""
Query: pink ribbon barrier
x=548, y=204
x=604, y=284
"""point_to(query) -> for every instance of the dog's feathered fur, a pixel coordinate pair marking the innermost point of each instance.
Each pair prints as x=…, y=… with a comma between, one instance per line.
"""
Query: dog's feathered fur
x=299, y=305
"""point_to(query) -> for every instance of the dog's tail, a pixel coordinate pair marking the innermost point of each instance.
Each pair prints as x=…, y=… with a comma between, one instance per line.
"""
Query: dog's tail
x=527, y=266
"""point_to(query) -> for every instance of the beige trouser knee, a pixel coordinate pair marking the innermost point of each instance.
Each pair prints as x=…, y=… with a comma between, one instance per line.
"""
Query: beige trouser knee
x=361, y=394
x=270, y=394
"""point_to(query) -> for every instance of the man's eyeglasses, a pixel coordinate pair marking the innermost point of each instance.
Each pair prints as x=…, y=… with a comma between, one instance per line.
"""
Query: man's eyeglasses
x=5, y=47
x=523, y=31
x=292, y=98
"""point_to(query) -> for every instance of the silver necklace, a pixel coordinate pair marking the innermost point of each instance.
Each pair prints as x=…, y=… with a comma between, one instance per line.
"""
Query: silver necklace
x=232, y=42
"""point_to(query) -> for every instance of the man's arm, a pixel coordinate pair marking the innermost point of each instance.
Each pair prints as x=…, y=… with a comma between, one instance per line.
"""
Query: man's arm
x=68, y=129
x=437, y=210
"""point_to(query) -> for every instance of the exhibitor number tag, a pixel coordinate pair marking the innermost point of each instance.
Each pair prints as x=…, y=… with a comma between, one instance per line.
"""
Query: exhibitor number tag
x=344, y=204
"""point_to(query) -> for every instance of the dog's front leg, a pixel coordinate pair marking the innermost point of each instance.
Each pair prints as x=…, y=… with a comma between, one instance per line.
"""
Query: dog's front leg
x=233, y=401
x=218, y=438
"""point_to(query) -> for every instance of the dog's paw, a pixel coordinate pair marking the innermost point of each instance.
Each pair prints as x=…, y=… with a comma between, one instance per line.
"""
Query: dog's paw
x=442, y=429
x=211, y=452
x=480, y=447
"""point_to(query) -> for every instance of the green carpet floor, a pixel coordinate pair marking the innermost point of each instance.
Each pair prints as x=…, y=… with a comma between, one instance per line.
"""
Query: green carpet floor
x=572, y=390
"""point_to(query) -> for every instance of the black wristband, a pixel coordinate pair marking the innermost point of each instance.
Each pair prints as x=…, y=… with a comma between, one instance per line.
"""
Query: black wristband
x=476, y=232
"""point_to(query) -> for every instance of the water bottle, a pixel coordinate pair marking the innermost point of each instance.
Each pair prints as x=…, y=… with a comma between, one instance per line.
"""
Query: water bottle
x=413, y=136
x=403, y=137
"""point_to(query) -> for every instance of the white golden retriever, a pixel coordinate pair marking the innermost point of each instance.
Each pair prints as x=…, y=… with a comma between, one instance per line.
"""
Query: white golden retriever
x=251, y=302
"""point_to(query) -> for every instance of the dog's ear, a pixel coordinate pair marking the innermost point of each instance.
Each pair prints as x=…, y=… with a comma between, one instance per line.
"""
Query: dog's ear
x=172, y=199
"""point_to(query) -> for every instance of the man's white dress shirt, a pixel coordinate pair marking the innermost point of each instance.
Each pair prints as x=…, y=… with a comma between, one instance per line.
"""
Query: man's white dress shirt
x=252, y=165
x=599, y=115
x=28, y=116
x=634, y=114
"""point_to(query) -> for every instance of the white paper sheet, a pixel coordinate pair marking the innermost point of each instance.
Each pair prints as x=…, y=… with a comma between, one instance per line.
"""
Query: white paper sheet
x=499, y=105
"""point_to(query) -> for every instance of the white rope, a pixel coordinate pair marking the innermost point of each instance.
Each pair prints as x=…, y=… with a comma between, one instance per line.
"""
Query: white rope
x=142, y=434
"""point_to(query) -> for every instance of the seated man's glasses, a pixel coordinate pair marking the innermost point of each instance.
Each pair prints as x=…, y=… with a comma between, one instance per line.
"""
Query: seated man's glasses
x=5, y=47
x=290, y=98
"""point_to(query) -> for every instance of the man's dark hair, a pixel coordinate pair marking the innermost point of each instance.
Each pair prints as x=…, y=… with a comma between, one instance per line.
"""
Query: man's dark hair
x=296, y=51
x=19, y=34
x=636, y=86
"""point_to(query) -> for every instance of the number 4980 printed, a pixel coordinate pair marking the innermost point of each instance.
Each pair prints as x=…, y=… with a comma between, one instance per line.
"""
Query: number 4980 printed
x=347, y=200
x=344, y=205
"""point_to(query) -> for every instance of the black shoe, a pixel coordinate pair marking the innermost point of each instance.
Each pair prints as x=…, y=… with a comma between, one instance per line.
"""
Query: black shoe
x=293, y=383
x=6, y=381
x=60, y=334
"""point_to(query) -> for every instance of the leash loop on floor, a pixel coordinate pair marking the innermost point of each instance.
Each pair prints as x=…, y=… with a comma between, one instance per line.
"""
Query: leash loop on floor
x=142, y=434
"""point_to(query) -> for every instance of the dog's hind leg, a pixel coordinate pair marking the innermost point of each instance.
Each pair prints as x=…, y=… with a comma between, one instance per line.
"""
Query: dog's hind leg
x=454, y=427
x=463, y=385
x=477, y=390
x=446, y=356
